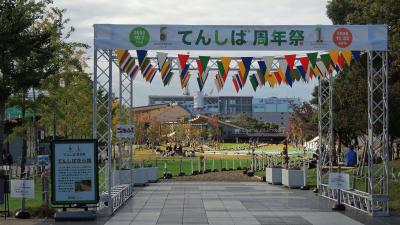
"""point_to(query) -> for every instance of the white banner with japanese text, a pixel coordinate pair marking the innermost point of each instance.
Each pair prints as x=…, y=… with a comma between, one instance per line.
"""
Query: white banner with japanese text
x=248, y=38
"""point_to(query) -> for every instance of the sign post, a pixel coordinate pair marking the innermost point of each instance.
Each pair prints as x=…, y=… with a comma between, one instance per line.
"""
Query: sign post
x=125, y=131
x=74, y=172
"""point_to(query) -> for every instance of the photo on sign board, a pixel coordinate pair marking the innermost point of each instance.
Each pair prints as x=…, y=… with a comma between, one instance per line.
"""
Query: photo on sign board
x=83, y=186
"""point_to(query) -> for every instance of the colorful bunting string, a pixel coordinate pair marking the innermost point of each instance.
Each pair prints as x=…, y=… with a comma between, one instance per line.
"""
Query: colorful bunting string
x=288, y=70
x=127, y=63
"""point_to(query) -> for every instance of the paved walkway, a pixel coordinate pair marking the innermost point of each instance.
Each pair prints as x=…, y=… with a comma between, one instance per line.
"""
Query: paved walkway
x=231, y=203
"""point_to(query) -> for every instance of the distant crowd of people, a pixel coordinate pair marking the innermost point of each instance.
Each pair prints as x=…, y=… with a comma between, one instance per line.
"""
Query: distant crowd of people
x=177, y=150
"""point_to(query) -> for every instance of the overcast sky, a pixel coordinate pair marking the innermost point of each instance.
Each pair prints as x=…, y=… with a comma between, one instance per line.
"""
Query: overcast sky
x=85, y=13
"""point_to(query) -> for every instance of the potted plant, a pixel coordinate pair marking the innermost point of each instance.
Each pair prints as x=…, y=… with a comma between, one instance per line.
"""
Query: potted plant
x=124, y=176
x=152, y=173
x=139, y=176
x=273, y=175
x=293, y=177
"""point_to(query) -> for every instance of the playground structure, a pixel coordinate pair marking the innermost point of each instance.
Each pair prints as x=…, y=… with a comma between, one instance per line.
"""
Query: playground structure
x=374, y=201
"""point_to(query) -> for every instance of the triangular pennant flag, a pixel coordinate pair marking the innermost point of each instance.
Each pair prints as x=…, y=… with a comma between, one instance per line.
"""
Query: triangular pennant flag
x=282, y=69
x=341, y=63
x=304, y=61
x=184, y=74
x=290, y=59
x=202, y=65
x=322, y=69
x=226, y=61
x=288, y=76
x=346, y=54
x=127, y=63
x=254, y=82
x=334, y=54
x=326, y=59
x=146, y=68
x=262, y=72
x=357, y=55
x=247, y=64
x=161, y=58
x=182, y=60
x=302, y=72
x=141, y=54
x=268, y=62
x=165, y=67
x=244, y=68
x=223, y=70
x=204, y=61
x=313, y=58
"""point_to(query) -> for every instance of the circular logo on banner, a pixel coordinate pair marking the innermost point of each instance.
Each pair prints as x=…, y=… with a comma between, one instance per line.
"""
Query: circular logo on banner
x=139, y=37
x=342, y=37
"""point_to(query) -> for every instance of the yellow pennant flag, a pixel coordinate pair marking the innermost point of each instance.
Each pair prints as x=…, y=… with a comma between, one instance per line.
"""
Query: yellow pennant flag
x=347, y=56
x=334, y=54
x=271, y=79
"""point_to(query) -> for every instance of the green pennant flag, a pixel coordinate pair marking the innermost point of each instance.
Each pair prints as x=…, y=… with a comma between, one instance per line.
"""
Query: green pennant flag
x=254, y=82
x=204, y=61
x=326, y=59
x=313, y=58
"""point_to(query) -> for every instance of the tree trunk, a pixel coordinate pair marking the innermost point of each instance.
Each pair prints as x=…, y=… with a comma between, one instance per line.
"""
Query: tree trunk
x=2, y=127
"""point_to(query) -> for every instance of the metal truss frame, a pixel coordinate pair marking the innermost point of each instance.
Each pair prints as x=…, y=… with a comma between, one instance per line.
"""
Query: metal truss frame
x=325, y=129
x=125, y=111
x=102, y=118
x=378, y=133
x=374, y=201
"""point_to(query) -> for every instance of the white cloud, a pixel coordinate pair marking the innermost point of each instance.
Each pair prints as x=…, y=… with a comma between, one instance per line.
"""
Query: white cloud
x=85, y=13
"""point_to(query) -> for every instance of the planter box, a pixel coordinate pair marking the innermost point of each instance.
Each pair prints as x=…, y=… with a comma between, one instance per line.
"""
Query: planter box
x=292, y=178
x=273, y=175
x=125, y=177
x=139, y=176
x=152, y=174
x=121, y=177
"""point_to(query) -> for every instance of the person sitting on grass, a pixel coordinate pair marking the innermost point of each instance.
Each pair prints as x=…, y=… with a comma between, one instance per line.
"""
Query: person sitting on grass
x=350, y=157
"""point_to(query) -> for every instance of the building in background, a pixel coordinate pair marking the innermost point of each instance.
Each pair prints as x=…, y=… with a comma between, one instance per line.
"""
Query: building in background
x=161, y=113
x=275, y=110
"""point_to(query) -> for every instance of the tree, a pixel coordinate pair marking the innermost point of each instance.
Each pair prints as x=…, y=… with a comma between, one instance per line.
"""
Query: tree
x=372, y=12
x=302, y=124
x=245, y=121
x=30, y=36
x=68, y=100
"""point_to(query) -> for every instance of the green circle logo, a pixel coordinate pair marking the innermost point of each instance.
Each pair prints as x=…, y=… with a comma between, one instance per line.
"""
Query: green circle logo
x=139, y=37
